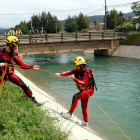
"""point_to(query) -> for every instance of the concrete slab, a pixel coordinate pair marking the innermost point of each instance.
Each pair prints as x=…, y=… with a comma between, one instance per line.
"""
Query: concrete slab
x=128, y=51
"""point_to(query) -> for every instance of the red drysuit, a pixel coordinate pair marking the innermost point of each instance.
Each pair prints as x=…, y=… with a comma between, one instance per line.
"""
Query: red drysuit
x=82, y=80
x=9, y=58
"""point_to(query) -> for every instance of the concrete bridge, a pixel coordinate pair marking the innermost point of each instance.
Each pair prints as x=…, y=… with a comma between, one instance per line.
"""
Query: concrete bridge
x=103, y=43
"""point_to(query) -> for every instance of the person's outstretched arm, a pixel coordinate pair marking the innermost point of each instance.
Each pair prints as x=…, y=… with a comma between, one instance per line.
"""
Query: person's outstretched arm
x=23, y=65
x=65, y=73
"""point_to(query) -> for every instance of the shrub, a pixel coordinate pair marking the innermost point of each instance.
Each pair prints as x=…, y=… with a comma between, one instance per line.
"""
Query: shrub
x=133, y=38
x=129, y=27
x=84, y=30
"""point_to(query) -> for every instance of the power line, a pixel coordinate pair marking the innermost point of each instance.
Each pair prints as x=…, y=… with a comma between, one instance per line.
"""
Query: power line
x=118, y=5
x=76, y=9
x=54, y=11
x=111, y=6
x=96, y=11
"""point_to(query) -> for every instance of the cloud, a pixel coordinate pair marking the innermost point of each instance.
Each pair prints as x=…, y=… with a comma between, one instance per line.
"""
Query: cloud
x=6, y=23
x=61, y=9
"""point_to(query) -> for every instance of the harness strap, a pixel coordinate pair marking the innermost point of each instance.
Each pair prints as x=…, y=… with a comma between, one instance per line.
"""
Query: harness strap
x=91, y=81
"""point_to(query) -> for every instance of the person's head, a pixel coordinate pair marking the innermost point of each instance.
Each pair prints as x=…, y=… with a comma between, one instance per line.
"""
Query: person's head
x=41, y=27
x=11, y=28
x=31, y=28
x=12, y=43
x=18, y=29
x=79, y=62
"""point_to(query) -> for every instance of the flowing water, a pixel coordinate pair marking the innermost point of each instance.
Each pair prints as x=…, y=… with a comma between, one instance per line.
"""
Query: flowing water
x=118, y=94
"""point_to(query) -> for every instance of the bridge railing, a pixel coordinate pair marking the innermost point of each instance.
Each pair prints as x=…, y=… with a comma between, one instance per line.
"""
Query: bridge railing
x=66, y=37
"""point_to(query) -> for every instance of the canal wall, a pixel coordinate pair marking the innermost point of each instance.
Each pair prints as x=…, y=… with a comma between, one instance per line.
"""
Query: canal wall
x=108, y=52
x=127, y=51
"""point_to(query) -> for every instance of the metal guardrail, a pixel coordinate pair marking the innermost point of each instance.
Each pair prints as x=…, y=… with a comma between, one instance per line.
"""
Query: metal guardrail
x=66, y=37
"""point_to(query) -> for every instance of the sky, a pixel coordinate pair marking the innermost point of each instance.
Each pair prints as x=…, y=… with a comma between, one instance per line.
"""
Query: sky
x=15, y=11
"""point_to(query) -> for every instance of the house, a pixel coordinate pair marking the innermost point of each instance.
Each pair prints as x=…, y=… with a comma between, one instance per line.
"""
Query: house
x=92, y=27
x=100, y=26
x=134, y=19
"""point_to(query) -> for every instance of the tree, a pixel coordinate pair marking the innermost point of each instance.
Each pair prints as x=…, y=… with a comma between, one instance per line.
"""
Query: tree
x=57, y=24
x=130, y=19
x=120, y=18
x=95, y=24
x=35, y=21
x=114, y=19
x=43, y=18
x=29, y=25
x=50, y=26
x=70, y=24
x=86, y=22
x=82, y=22
x=23, y=27
x=136, y=9
x=50, y=23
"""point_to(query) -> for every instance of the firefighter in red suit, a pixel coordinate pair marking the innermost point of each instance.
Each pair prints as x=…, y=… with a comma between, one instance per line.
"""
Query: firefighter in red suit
x=8, y=55
x=83, y=77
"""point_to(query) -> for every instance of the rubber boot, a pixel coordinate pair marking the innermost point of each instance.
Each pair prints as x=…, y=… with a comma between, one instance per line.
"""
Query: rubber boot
x=29, y=94
x=37, y=103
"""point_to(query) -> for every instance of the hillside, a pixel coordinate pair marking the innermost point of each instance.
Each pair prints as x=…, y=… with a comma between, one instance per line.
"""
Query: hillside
x=2, y=31
x=131, y=14
x=1, y=28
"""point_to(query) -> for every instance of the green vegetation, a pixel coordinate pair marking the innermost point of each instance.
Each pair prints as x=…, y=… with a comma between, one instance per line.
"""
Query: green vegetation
x=95, y=23
x=50, y=23
x=136, y=9
x=70, y=24
x=21, y=119
x=84, y=31
x=127, y=27
x=133, y=38
x=74, y=24
x=114, y=19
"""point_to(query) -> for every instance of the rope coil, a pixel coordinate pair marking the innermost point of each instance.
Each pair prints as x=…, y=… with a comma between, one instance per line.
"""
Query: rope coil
x=4, y=71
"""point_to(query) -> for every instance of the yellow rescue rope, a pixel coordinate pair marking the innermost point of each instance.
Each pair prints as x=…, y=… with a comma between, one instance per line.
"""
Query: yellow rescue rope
x=4, y=71
x=95, y=103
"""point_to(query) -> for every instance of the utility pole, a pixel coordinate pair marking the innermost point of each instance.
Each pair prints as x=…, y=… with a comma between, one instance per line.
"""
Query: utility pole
x=105, y=15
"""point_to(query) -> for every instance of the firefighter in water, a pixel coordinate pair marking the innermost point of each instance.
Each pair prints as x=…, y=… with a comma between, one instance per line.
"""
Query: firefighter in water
x=8, y=55
x=84, y=79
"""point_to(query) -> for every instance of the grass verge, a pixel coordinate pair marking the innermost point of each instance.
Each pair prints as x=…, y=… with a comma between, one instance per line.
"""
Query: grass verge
x=133, y=38
x=21, y=119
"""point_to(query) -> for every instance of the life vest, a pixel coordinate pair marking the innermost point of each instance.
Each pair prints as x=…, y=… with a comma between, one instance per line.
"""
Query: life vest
x=2, y=60
x=91, y=81
x=12, y=32
x=18, y=32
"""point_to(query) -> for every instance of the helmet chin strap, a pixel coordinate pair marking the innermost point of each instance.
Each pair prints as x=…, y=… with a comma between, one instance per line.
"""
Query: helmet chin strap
x=81, y=66
x=11, y=48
